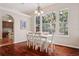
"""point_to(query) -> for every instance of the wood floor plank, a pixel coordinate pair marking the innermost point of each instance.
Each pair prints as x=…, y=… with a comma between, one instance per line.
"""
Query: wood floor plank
x=20, y=49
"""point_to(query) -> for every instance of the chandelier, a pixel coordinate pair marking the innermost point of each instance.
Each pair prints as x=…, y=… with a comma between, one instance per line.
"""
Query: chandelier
x=38, y=11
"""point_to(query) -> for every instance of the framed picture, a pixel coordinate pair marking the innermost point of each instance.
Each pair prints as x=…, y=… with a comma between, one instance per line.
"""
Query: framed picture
x=22, y=24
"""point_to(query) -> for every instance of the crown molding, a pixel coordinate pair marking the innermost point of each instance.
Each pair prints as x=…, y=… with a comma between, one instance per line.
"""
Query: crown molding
x=14, y=11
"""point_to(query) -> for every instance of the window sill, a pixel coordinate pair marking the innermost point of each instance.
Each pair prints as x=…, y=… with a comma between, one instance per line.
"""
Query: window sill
x=62, y=35
x=55, y=35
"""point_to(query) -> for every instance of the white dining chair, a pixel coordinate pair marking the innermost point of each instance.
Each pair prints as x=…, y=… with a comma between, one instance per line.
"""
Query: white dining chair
x=37, y=39
x=43, y=39
x=46, y=44
x=49, y=45
x=50, y=42
x=29, y=39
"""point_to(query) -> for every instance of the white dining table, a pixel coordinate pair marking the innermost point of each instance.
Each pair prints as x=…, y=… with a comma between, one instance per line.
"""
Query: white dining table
x=47, y=36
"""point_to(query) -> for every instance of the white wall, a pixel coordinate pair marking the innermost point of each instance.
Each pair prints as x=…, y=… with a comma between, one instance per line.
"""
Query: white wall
x=0, y=29
x=19, y=34
x=32, y=23
x=72, y=40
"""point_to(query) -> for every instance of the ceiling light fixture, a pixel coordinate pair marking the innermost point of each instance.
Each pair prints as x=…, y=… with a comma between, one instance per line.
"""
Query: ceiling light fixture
x=9, y=20
x=38, y=11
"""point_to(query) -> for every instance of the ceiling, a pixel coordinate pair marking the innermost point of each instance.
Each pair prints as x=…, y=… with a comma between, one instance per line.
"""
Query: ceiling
x=26, y=8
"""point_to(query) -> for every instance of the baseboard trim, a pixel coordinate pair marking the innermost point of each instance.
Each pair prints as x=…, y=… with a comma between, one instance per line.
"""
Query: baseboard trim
x=6, y=44
x=69, y=46
x=19, y=42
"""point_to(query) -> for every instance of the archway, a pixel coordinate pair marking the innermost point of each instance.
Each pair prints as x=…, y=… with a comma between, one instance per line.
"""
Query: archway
x=7, y=29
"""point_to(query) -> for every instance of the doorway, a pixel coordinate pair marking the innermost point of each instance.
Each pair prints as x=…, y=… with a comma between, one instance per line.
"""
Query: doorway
x=8, y=30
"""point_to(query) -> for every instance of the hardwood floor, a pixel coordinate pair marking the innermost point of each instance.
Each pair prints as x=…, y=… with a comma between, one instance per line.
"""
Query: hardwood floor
x=20, y=49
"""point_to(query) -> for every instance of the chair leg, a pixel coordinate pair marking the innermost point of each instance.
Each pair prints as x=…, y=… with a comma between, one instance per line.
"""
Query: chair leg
x=29, y=45
x=46, y=50
x=33, y=46
x=49, y=51
x=40, y=48
x=36, y=47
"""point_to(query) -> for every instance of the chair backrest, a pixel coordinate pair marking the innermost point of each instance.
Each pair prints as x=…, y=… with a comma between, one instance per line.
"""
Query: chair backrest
x=37, y=37
x=29, y=35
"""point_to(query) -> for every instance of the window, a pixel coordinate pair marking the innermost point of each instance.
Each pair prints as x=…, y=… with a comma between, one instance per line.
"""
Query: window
x=63, y=22
x=48, y=22
x=37, y=23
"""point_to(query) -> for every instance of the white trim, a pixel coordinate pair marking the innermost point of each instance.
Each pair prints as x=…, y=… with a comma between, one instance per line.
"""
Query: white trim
x=34, y=23
x=5, y=44
x=71, y=46
x=55, y=43
x=10, y=43
x=14, y=11
x=19, y=41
